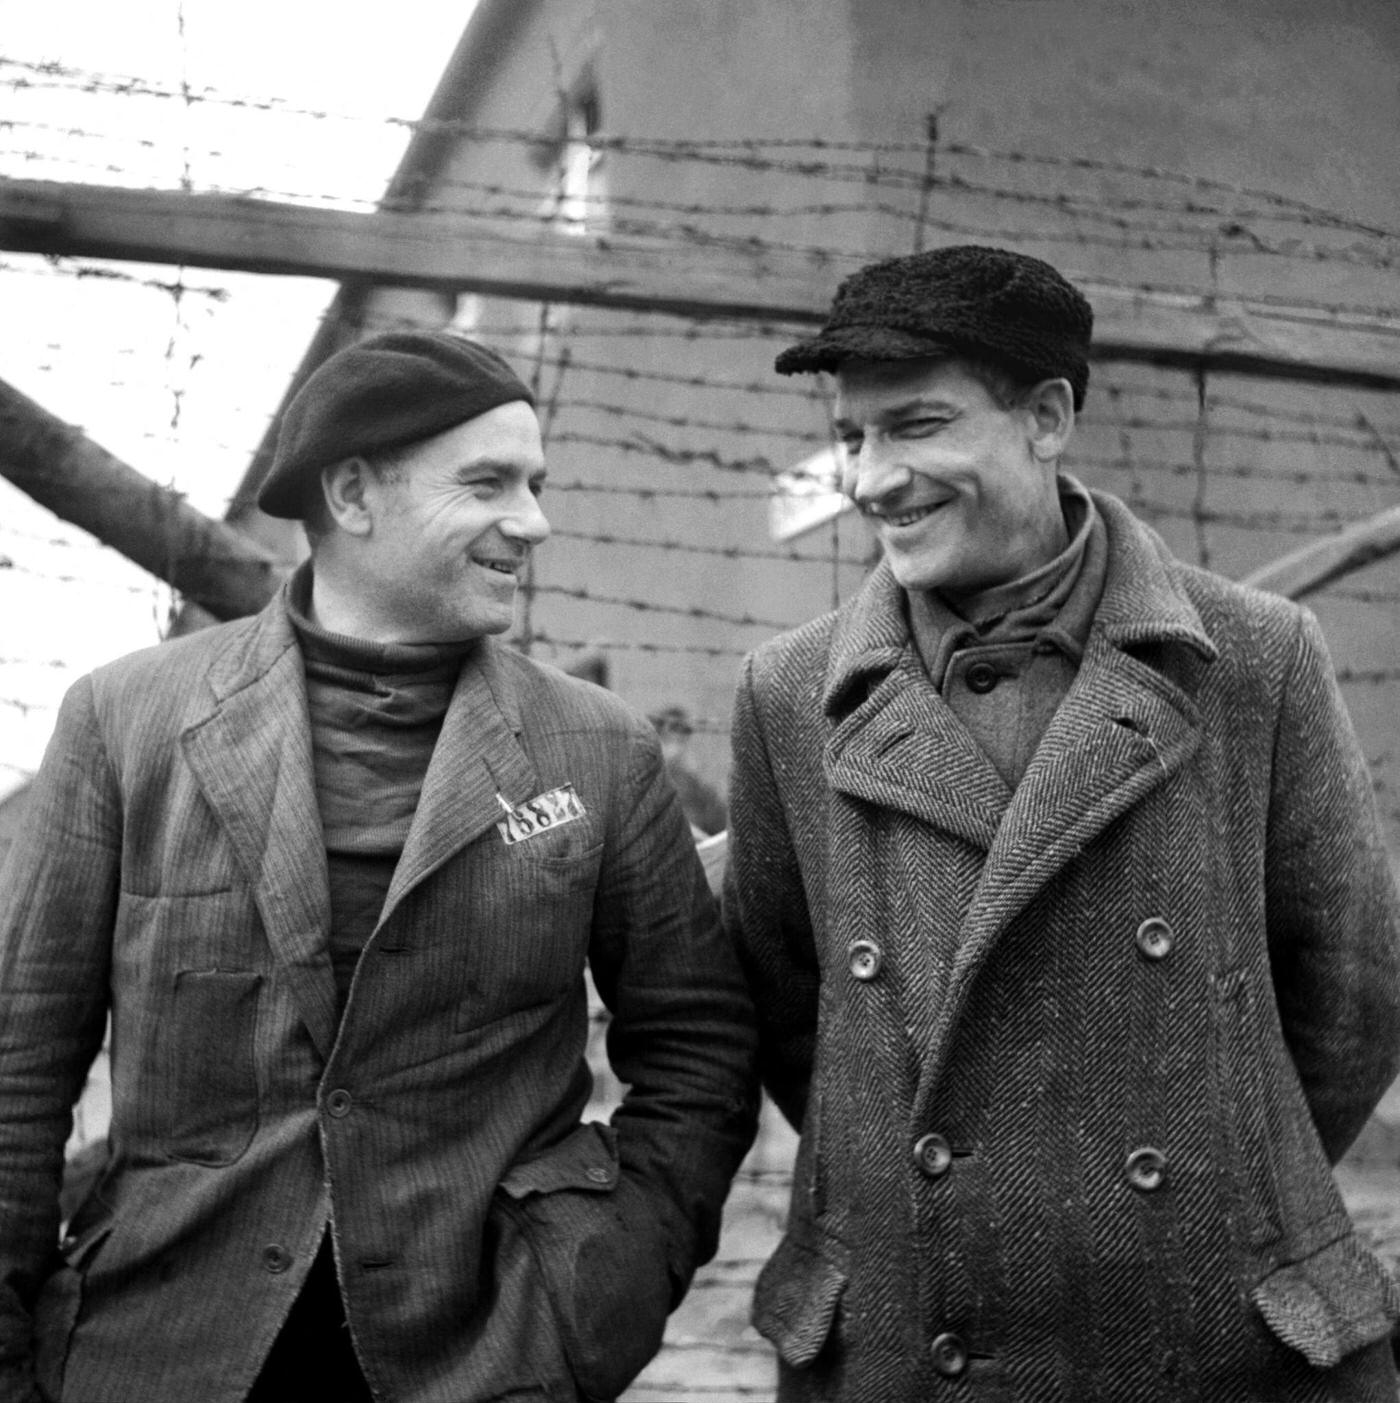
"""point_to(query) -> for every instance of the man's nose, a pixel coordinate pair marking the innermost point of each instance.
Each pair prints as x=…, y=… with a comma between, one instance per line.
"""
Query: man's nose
x=527, y=521
x=873, y=474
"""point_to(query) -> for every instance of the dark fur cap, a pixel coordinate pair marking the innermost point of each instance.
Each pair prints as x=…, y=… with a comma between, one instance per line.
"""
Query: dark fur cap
x=990, y=303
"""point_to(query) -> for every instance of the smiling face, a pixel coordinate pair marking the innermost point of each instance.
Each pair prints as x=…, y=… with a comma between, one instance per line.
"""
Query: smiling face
x=959, y=488
x=432, y=546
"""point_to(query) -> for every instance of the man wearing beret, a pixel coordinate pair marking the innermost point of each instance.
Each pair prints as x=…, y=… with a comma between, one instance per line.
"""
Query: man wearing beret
x=335, y=873
x=1056, y=871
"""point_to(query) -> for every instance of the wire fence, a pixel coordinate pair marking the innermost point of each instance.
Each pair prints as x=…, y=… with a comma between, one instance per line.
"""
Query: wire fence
x=690, y=487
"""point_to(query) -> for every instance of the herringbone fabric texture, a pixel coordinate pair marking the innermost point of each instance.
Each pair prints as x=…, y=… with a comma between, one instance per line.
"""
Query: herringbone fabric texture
x=1131, y=1196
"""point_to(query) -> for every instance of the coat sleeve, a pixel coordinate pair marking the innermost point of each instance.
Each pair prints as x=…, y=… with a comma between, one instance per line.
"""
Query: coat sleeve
x=681, y=1035
x=766, y=913
x=1333, y=908
x=57, y=902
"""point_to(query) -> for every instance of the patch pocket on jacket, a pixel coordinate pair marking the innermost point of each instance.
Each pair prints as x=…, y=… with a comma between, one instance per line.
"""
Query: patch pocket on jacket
x=601, y=1252
x=211, y=1078
x=1330, y=1304
x=796, y=1300
x=529, y=921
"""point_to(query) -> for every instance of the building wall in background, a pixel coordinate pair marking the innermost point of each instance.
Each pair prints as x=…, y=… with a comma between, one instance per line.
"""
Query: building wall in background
x=1052, y=117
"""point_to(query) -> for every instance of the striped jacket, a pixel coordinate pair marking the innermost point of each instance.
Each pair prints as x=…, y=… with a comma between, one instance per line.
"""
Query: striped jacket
x=172, y=875
x=1069, y=1062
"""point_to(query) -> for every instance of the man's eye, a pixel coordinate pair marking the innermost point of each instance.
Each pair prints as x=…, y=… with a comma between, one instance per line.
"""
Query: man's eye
x=917, y=428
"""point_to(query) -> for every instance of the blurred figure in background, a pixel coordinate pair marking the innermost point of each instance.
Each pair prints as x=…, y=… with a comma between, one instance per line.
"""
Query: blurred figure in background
x=700, y=800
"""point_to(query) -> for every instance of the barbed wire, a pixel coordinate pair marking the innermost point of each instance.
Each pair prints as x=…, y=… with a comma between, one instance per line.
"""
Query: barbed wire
x=634, y=645
x=715, y=426
x=725, y=552
x=692, y=235
x=648, y=606
x=1370, y=676
x=751, y=153
x=53, y=265
x=59, y=663
x=1133, y=233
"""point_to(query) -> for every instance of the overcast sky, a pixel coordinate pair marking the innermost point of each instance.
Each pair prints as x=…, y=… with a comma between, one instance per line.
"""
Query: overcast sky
x=178, y=384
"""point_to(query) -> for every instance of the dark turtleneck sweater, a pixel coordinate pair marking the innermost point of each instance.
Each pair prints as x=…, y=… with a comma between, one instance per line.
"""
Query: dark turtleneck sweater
x=376, y=712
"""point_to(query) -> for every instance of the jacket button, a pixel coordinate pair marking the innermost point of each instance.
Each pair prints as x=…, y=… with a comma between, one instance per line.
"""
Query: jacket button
x=338, y=1103
x=934, y=1155
x=949, y=1354
x=865, y=959
x=1155, y=938
x=1146, y=1169
x=276, y=1258
x=596, y=1174
x=981, y=677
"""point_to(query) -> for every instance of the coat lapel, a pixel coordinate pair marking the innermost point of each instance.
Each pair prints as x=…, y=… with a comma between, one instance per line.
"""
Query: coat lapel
x=900, y=746
x=478, y=755
x=251, y=756
x=1122, y=731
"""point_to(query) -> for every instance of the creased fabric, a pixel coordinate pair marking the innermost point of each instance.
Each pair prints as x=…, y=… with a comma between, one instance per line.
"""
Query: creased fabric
x=1141, y=998
x=172, y=872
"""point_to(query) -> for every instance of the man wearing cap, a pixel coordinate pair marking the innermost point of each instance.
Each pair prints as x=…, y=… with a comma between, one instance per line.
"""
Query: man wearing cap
x=335, y=873
x=1057, y=874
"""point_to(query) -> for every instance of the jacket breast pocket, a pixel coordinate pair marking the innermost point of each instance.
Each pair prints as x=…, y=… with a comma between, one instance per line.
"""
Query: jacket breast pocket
x=210, y=1065
x=601, y=1255
x=525, y=928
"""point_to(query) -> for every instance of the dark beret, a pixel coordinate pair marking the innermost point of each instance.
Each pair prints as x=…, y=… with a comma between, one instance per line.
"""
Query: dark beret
x=383, y=392
x=1007, y=308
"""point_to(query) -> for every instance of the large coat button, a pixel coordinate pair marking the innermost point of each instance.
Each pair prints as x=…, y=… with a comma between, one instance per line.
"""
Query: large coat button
x=276, y=1258
x=933, y=1154
x=1155, y=938
x=981, y=677
x=339, y=1102
x=1146, y=1169
x=949, y=1354
x=865, y=959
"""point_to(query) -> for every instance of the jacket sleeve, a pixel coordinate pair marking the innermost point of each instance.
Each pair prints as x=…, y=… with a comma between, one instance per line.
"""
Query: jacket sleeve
x=681, y=1035
x=1333, y=907
x=766, y=913
x=57, y=903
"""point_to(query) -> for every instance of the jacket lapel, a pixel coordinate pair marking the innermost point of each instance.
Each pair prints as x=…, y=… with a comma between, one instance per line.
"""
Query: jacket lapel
x=900, y=746
x=1116, y=737
x=1122, y=731
x=251, y=756
x=477, y=757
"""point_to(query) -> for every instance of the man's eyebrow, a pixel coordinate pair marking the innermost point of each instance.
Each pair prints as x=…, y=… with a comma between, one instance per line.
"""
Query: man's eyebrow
x=917, y=405
x=497, y=465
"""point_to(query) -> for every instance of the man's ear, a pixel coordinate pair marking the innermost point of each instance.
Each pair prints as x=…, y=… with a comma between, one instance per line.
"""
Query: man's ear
x=343, y=485
x=1051, y=408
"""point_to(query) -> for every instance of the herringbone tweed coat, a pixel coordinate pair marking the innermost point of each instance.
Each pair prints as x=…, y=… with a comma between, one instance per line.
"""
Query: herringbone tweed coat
x=172, y=871
x=1069, y=1063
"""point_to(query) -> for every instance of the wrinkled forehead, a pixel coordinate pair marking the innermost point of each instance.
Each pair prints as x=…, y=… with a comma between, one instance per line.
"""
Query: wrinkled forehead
x=864, y=388
x=507, y=437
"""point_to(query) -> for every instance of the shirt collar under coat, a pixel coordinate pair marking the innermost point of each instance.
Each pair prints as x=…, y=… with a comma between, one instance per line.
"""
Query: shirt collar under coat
x=1141, y=604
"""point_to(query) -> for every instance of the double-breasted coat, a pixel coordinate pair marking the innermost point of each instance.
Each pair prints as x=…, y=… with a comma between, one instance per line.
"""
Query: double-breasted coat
x=172, y=874
x=1069, y=1062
